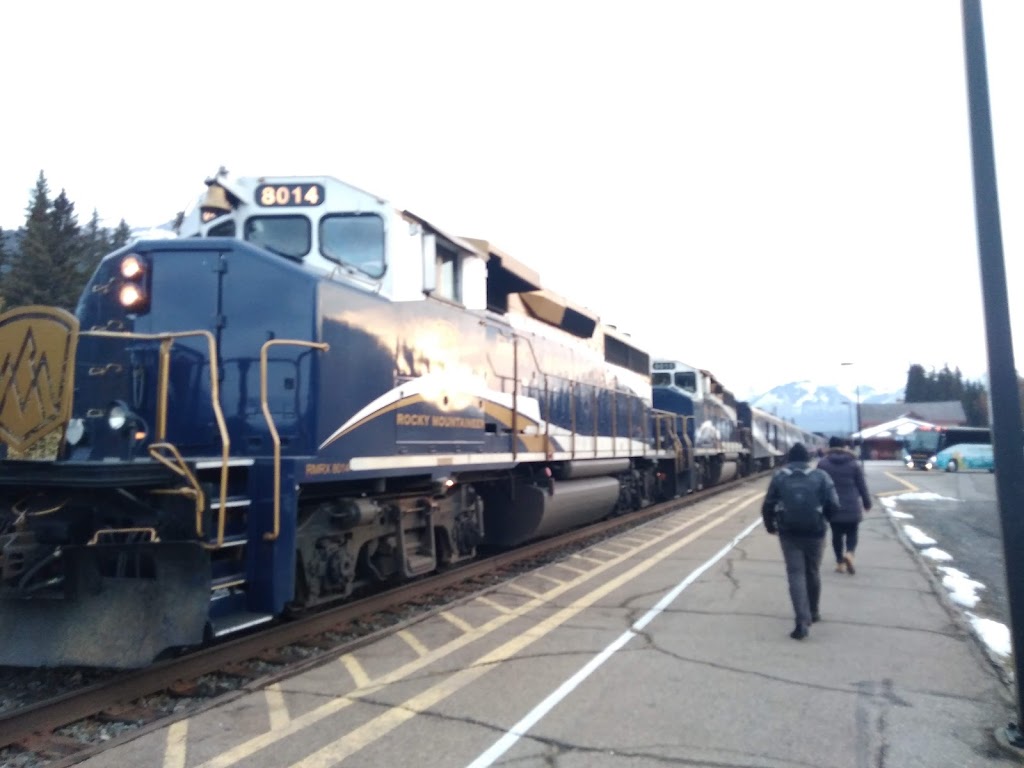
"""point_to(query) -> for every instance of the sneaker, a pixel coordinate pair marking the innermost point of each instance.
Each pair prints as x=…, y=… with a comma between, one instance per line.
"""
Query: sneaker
x=848, y=559
x=815, y=617
x=841, y=567
x=799, y=633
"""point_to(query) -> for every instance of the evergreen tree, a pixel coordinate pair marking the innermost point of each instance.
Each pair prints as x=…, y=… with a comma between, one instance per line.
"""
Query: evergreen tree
x=916, y=385
x=946, y=385
x=121, y=235
x=975, y=402
x=29, y=270
x=95, y=245
x=66, y=254
x=52, y=261
x=55, y=257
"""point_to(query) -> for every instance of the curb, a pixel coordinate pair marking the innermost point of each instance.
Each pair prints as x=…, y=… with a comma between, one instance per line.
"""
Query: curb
x=1001, y=665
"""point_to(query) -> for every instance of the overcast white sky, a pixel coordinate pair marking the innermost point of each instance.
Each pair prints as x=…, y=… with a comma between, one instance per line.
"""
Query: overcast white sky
x=763, y=189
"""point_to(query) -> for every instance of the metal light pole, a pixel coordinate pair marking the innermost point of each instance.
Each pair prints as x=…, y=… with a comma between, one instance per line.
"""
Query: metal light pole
x=1002, y=372
x=860, y=448
x=860, y=430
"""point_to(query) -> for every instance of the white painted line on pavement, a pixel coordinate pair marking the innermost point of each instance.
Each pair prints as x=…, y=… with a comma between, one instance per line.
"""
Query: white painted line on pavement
x=502, y=745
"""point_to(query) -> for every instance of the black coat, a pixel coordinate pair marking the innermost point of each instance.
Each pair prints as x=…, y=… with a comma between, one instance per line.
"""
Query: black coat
x=844, y=469
x=826, y=496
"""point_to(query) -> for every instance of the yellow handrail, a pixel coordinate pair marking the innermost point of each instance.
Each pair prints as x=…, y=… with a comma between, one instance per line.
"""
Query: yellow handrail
x=166, y=342
x=180, y=467
x=154, y=538
x=265, y=405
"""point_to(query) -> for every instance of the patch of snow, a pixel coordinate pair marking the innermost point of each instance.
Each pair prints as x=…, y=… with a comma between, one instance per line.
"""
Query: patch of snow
x=919, y=537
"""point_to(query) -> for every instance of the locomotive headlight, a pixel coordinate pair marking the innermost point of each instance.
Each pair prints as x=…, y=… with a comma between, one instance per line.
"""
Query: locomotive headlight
x=131, y=296
x=75, y=431
x=131, y=267
x=117, y=417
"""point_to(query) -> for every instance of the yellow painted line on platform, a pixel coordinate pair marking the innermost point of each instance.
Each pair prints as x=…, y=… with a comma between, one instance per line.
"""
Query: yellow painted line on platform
x=525, y=591
x=593, y=560
x=310, y=719
x=907, y=486
x=545, y=577
x=359, y=676
x=454, y=620
x=277, y=709
x=380, y=726
x=604, y=551
x=177, y=744
x=493, y=604
x=635, y=540
x=571, y=569
x=412, y=642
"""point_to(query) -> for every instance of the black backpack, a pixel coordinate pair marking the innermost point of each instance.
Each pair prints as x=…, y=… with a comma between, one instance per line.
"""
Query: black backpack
x=800, y=509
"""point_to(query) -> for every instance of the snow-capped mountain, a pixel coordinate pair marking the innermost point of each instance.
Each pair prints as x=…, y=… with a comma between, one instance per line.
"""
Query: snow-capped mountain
x=825, y=408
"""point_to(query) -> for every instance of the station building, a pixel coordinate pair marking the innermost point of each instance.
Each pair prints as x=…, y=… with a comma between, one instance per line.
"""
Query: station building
x=884, y=426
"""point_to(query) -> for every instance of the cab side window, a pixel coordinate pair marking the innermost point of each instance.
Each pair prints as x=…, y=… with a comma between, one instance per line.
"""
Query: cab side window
x=284, y=235
x=354, y=240
x=449, y=274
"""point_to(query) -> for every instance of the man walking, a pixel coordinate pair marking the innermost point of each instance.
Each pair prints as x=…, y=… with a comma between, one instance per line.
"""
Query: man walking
x=796, y=506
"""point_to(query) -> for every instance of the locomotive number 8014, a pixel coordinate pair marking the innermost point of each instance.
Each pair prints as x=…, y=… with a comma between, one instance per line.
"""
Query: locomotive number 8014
x=305, y=392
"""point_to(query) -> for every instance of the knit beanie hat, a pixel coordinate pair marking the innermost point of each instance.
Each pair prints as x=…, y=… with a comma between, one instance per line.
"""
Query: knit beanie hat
x=799, y=453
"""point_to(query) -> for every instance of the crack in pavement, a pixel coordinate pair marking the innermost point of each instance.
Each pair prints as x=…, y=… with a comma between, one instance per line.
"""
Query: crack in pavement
x=561, y=747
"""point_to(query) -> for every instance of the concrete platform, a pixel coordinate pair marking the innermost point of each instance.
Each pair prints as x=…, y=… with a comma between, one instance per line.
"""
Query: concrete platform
x=668, y=646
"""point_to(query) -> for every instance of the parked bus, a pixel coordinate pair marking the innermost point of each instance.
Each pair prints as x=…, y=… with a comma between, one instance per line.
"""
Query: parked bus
x=924, y=442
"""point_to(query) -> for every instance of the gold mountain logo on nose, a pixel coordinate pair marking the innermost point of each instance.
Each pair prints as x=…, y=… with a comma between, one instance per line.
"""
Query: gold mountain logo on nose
x=37, y=367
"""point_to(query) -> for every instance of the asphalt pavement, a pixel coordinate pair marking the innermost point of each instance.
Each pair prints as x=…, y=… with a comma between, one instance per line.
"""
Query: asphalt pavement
x=667, y=646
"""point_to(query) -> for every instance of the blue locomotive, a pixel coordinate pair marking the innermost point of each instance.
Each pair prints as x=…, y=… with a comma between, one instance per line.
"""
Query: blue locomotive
x=728, y=437
x=305, y=392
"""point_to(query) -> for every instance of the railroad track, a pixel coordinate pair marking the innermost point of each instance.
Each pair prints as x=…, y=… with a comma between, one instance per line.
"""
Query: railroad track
x=330, y=633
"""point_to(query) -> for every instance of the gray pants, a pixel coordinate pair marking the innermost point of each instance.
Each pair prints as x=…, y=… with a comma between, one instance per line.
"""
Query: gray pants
x=803, y=569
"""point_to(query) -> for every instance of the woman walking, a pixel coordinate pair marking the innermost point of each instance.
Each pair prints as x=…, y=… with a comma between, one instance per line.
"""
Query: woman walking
x=854, y=500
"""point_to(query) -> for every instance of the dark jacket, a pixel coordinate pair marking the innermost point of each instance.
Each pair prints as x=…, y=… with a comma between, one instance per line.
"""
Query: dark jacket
x=826, y=494
x=844, y=469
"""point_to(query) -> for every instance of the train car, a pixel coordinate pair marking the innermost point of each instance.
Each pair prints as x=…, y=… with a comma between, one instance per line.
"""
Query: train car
x=772, y=437
x=306, y=392
x=721, y=443
x=729, y=437
x=816, y=443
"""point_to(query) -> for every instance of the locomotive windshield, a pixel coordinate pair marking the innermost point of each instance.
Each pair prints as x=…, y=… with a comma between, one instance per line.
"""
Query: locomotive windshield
x=686, y=380
x=285, y=235
x=356, y=240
